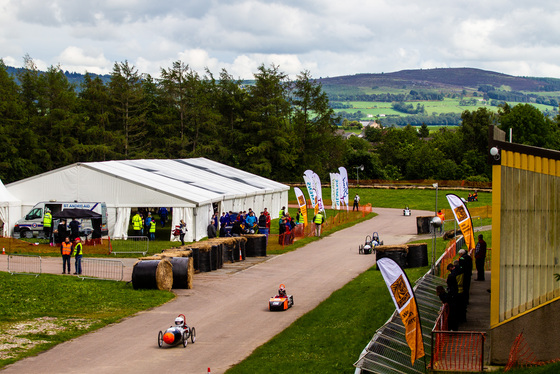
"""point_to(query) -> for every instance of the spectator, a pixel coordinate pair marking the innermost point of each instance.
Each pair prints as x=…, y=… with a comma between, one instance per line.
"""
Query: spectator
x=356, y=203
x=236, y=230
x=47, y=223
x=215, y=220
x=441, y=216
x=282, y=212
x=465, y=262
x=61, y=231
x=74, y=228
x=163, y=214
x=452, y=296
x=152, y=229
x=262, y=221
x=183, y=229
x=66, y=252
x=211, y=230
x=480, y=257
x=148, y=223
x=318, y=220
x=224, y=219
x=137, y=224
x=299, y=216
x=251, y=221
x=77, y=252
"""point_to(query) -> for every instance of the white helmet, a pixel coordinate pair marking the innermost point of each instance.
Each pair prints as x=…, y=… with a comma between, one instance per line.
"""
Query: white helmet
x=179, y=321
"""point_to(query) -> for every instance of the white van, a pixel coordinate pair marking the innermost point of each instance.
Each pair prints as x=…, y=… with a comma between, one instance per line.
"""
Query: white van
x=32, y=223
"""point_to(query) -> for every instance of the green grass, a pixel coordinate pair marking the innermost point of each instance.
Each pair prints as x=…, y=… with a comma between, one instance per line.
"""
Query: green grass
x=80, y=306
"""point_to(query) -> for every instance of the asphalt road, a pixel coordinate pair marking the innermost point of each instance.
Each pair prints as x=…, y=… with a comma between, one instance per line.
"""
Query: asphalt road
x=229, y=309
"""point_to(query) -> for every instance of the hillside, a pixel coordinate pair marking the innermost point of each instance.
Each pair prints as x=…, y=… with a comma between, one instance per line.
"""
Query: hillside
x=445, y=78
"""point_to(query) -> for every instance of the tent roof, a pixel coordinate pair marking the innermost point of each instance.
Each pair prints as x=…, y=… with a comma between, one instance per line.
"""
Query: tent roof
x=6, y=198
x=197, y=181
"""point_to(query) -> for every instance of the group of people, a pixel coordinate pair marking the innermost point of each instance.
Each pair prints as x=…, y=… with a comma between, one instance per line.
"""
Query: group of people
x=244, y=222
x=456, y=296
x=67, y=250
x=143, y=224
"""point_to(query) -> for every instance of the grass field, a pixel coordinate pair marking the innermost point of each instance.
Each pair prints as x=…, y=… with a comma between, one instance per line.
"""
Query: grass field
x=447, y=105
x=38, y=313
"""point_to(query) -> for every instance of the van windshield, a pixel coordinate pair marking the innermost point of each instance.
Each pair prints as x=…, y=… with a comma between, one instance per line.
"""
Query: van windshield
x=35, y=213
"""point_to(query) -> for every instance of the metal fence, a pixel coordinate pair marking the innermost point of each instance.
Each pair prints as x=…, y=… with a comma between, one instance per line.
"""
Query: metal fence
x=99, y=268
x=388, y=350
x=130, y=244
x=24, y=264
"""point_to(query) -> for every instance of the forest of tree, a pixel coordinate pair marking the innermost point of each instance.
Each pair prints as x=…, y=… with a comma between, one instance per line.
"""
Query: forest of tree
x=275, y=127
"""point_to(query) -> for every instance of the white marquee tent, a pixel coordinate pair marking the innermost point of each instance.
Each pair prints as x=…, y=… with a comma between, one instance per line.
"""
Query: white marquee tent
x=10, y=210
x=190, y=186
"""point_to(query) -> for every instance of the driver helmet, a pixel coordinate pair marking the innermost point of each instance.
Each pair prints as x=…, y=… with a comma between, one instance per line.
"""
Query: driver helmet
x=179, y=321
x=282, y=289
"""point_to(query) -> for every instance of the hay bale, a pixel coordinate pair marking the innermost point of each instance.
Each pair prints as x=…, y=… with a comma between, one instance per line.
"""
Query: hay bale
x=417, y=255
x=152, y=274
x=397, y=253
x=255, y=244
x=204, y=260
x=423, y=224
x=183, y=271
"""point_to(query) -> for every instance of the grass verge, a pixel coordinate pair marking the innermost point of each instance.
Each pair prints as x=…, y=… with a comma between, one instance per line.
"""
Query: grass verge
x=61, y=308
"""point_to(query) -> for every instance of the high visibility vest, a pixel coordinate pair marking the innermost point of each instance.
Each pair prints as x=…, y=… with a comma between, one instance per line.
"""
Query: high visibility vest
x=137, y=222
x=281, y=213
x=66, y=249
x=47, y=220
x=441, y=216
x=77, y=249
x=153, y=226
x=318, y=219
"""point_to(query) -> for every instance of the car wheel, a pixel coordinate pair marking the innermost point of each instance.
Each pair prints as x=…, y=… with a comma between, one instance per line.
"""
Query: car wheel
x=185, y=339
x=193, y=335
x=360, y=249
x=25, y=234
x=160, y=339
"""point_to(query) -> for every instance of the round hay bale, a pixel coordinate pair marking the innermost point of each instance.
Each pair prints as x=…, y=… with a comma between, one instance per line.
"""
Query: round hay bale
x=182, y=272
x=423, y=224
x=417, y=255
x=253, y=247
x=396, y=254
x=152, y=274
x=205, y=260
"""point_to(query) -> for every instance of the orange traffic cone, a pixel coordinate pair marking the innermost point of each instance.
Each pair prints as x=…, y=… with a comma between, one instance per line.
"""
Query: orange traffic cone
x=240, y=255
x=3, y=250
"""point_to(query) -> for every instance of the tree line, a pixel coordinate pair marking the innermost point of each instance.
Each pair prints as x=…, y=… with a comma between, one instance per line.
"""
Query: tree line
x=275, y=127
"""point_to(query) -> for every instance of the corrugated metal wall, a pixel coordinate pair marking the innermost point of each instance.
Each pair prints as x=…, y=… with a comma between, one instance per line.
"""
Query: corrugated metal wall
x=529, y=224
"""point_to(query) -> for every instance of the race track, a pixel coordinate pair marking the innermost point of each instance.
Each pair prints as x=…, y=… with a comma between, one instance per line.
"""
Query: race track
x=229, y=310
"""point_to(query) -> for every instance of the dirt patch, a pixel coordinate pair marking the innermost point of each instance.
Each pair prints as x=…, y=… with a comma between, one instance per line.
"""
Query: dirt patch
x=19, y=337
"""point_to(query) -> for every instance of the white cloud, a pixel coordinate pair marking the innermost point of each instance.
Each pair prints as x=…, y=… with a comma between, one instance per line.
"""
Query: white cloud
x=327, y=37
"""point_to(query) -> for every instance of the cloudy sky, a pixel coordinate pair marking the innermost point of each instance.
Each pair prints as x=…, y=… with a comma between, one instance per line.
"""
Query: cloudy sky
x=328, y=37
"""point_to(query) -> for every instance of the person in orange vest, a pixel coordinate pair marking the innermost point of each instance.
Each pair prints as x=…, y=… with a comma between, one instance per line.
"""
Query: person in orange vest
x=66, y=252
x=441, y=216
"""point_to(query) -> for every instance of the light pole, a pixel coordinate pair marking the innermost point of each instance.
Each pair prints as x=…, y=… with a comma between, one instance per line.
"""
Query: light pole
x=436, y=223
x=361, y=167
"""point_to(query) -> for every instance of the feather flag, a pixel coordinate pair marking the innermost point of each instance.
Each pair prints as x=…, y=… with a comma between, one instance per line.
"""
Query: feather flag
x=463, y=218
x=405, y=302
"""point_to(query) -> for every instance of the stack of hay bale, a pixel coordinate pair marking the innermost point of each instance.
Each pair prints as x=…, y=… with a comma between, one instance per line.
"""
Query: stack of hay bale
x=164, y=271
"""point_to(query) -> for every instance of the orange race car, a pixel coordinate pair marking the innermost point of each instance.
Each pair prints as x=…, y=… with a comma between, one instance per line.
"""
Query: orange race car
x=281, y=301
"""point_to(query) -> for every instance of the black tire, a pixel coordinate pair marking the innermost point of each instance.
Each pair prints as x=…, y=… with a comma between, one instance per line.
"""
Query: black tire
x=25, y=234
x=185, y=339
x=193, y=335
x=360, y=249
x=160, y=339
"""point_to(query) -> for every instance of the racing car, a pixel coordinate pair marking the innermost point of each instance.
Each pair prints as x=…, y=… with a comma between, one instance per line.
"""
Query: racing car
x=180, y=333
x=281, y=301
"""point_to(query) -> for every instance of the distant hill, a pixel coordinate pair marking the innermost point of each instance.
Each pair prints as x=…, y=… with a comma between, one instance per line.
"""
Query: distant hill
x=444, y=78
x=73, y=77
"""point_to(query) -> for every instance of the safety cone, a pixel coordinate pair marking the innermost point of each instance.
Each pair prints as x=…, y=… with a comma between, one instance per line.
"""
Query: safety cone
x=3, y=250
x=208, y=369
x=240, y=255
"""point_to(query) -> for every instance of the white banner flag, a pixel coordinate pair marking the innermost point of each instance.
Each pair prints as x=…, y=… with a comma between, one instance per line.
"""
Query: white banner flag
x=344, y=179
